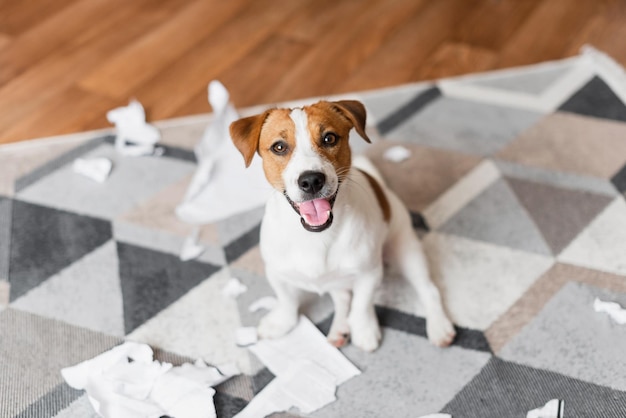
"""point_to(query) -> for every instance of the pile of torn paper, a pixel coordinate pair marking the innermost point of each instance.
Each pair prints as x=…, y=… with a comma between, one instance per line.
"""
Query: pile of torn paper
x=307, y=368
x=126, y=382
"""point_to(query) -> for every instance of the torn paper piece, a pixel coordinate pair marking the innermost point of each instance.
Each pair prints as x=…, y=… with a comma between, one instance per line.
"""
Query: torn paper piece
x=134, y=137
x=222, y=186
x=305, y=341
x=97, y=169
x=127, y=382
x=307, y=368
x=397, y=154
x=266, y=302
x=304, y=385
x=246, y=336
x=191, y=249
x=233, y=288
x=613, y=309
x=552, y=409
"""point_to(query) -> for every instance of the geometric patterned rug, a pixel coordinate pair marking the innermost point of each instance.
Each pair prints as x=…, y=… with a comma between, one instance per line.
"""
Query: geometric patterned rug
x=516, y=184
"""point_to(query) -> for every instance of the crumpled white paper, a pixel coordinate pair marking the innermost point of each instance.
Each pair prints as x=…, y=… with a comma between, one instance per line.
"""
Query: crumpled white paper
x=96, y=169
x=191, y=249
x=307, y=368
x=397, y=154
x=125, y=382
x=233, y=288
x=222, y=186
x=613, y=309
x=134, y=137
x=552, y=409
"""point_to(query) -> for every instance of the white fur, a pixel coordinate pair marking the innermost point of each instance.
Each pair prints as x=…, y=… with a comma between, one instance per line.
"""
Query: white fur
x=304, y=158
x=346, y=260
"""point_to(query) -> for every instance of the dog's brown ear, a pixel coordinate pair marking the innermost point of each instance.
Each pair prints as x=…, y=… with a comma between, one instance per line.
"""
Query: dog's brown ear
x=355, y=111
x=245, y=134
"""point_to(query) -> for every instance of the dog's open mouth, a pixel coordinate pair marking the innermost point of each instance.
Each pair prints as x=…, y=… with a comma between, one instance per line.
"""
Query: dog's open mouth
x=315, y=215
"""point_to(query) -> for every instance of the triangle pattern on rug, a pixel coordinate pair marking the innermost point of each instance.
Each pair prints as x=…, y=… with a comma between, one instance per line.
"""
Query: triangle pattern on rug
x=86, y=294
x=596, y=99
x=532, y=81
x=619, y=180
x=602, y=244
x=6, y=205
x=495, y=216
x=45, y=240
x=152, y=280
x=233, y=228
x=559, y=213
x=195, y=314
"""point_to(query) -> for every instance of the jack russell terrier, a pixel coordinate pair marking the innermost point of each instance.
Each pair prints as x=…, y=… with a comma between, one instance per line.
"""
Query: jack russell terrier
x=332, y=224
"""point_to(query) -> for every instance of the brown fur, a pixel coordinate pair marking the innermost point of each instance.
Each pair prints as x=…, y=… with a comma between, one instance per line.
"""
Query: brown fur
x=259, y=133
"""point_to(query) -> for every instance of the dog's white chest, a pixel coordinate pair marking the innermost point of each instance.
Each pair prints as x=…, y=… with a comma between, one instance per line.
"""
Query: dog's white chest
x=320, y=262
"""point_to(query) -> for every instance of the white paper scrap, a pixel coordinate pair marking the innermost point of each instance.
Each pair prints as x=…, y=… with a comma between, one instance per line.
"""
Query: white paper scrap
x=191, y=249
x=307, y=368
x=552, y=409
x=613, y=309
x=266, y=302
x=143, y=387
x=246, y=336
x=222, y=186
x=397, y=154
x=304, y=385
x=97, y=169
x=233, y=288
x=305, y=341
x=134, y=137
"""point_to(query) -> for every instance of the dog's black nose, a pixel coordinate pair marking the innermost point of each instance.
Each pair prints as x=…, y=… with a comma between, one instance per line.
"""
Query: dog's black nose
x=311, y=181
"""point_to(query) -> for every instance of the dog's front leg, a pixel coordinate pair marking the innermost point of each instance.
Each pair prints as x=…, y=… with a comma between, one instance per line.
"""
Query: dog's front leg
x=364, y=328
x=340, y=330
x=284, y=316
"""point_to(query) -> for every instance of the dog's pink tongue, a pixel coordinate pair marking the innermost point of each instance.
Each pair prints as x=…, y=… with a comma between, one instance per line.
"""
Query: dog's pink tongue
x=315, y=212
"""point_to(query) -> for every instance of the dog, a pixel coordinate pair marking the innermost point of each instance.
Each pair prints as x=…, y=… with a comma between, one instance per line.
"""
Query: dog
x=332, y=224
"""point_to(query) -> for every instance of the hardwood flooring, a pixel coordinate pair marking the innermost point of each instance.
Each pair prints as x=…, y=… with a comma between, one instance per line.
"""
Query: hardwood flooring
x=64, y=63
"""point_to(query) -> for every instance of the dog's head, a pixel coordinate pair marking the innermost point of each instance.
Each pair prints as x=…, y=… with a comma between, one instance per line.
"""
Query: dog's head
x=305, y=153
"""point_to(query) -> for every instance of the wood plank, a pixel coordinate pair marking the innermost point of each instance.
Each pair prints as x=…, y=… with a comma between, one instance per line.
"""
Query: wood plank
x=269, y=61
x=69, y=111
x=85, y=22
x=492, y=23
x=399, y=59
x=291, y=50
x=191, y=73
x=141, y=60
x=333, y=58
x=543, y=31
x=606, y=31
x=453, y=58
x=35, y=88
x=17, y=17
x=5, y=40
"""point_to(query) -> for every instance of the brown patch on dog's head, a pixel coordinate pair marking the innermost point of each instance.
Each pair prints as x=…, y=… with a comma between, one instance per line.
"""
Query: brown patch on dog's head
x=245, y=134
x=273, y=135
x=278, y=128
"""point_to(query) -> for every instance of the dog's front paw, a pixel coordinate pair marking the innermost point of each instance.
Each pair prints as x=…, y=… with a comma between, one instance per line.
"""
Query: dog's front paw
x=366, y=335
x=276, y=324
x=440, y=331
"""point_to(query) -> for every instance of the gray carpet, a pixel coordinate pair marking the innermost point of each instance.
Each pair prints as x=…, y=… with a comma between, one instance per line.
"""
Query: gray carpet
x=516, y=183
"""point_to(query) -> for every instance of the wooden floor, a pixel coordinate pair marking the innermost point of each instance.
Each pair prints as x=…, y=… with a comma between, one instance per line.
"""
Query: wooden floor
x=64, y=63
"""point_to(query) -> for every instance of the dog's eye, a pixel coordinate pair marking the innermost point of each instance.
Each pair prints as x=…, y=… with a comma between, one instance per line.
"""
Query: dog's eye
x=329, y=139
x=279, y=147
